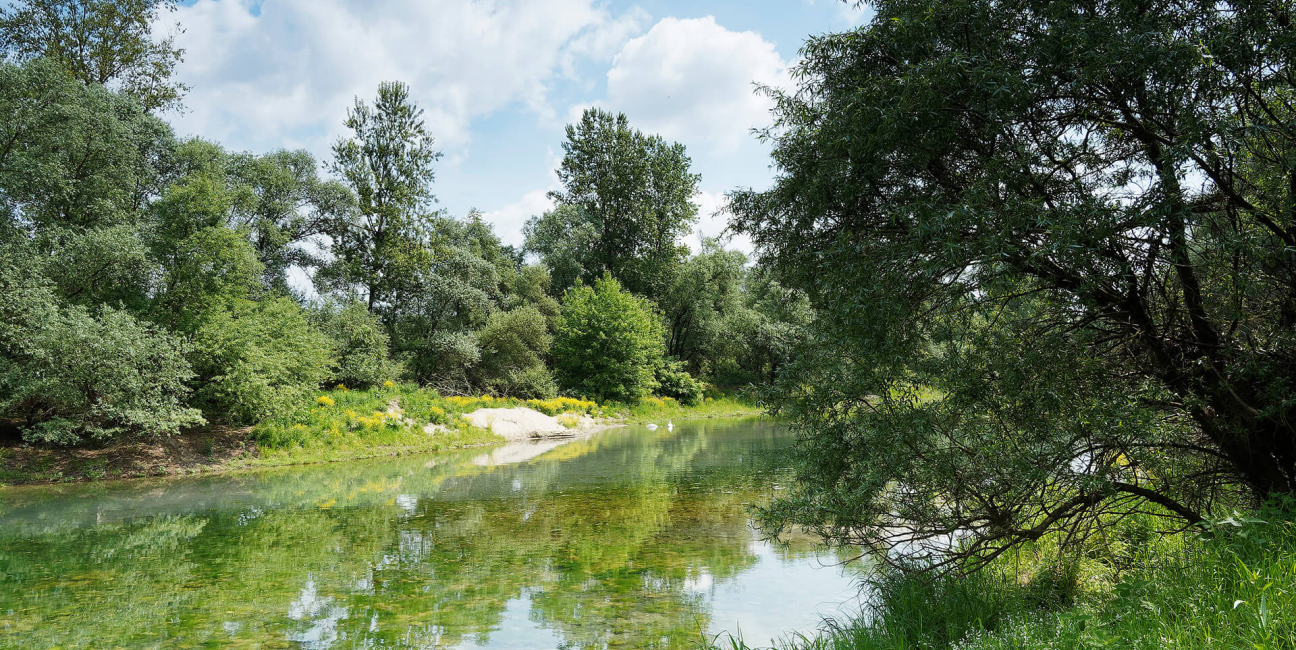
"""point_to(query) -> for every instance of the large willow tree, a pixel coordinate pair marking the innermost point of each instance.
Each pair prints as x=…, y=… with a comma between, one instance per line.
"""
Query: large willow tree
x=1054, y=249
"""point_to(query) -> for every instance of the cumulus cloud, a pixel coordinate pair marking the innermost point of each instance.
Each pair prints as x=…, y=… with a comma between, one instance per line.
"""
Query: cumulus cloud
x=285, y=76
x=713, y=220
x=508, y=220
x=691, y=80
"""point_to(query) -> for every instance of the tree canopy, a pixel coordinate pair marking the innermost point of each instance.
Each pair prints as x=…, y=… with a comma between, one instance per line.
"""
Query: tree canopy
x=99, y=42
x=1051, y=245
x=609, y=343
x=625, y=203
x=388, y=164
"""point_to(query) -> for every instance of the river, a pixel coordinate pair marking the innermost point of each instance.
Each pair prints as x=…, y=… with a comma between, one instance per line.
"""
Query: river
x=631, y=539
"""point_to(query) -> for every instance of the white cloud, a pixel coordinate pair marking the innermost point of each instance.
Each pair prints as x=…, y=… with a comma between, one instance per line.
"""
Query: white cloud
x=692, y=81
x=712, y=222
x=508, y=220
x=854, y=14
x=286, y=76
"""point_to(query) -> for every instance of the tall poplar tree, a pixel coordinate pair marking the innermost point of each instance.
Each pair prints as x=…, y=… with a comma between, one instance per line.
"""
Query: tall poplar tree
x=629, y=199
x=387, y=161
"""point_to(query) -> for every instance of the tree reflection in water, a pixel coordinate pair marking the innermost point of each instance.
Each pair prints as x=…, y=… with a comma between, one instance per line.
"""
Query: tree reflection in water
x=619, y=540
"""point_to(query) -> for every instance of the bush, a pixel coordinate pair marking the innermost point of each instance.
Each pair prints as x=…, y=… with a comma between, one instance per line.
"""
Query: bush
x=674, y=381
x=609, y=342
x=256, y=360
x=534, y=382
x=360, y=346
x=513, y=345
x=79, y=376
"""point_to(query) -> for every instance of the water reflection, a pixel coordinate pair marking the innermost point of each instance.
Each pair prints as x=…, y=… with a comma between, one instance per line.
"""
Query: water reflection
x=632, y=538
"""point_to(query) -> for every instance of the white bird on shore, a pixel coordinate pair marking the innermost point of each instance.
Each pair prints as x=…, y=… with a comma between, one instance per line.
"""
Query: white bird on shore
x=670, y=426
x=652, y=427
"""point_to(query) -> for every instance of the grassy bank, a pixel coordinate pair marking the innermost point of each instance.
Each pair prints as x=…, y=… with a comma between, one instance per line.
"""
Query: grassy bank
x=335, y=425
x=1234, y=587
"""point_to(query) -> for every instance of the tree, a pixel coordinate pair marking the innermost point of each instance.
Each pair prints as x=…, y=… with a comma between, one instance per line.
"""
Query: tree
x=609, y=342
x=284, y=205
x=258, y=360
x=98, y=42
x=360, y=345
x=704, y=294
x=447, y=291
x=71, y=375
x=74, y=156
x=388, y=163
x=513, y=348
x=633, y=191
x=566, y=241
x=1050, y=247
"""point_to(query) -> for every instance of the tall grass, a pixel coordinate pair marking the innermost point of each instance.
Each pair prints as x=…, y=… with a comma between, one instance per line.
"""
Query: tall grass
x=1232, y=587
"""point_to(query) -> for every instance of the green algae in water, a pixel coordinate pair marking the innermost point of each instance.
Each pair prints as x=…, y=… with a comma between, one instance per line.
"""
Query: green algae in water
x=631, y=538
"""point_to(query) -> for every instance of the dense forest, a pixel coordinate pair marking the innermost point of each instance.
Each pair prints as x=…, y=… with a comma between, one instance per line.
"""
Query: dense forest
x=145, y=278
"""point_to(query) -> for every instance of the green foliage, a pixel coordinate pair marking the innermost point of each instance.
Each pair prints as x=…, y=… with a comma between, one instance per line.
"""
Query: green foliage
x=388, y=164
x=1236, y=589
x=703, y=303
x=566, y=240
x=435, y=315
x=101, y=265
x=609, y=342
x=674, y=381
x=530, y=382
x=1049, y=282
x=513, y=348
x=529, y=286
x=360, y=346
x=257, y=360
x=98, y=42
x=275, y=202
x=72, y=375
x=76, y=155
x=625, y=203
x=282, y=203
x=204, y=271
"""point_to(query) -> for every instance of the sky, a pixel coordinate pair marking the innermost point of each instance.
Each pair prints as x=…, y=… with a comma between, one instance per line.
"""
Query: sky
x=498, y=80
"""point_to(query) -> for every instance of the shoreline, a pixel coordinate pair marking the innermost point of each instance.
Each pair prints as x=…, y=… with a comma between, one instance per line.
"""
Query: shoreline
x=223, y=449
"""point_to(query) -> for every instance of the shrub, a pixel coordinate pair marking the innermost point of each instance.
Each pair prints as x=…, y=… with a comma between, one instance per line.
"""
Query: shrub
x=513, y=345
x=360, y=346
x=95, y=377
x=674, y=381
x=609, y=342
x=534, y=382
x=256, y=360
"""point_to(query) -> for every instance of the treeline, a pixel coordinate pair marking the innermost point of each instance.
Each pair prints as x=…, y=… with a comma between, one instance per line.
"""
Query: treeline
x=147, y=281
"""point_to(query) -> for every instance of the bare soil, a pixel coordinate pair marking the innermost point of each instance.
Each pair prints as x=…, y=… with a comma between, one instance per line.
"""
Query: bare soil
x=198, y=450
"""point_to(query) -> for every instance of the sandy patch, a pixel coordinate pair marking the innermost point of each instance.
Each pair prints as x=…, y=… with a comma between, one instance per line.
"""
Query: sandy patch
x=521, y=423
x=517, y=423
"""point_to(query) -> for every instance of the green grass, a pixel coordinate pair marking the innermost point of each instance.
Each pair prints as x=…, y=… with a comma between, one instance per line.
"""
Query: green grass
x=1136, y=588
x=655, y=409
x=341, y=424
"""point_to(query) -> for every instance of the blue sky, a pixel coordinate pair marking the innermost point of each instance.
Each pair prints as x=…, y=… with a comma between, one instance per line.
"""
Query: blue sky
x=498, y=80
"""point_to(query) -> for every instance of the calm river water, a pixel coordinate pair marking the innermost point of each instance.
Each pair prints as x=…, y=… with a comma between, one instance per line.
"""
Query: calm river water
x=631, y=538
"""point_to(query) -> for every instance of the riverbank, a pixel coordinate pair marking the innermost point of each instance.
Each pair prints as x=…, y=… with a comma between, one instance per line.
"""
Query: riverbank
x=1231, y=586
x=338, y=425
